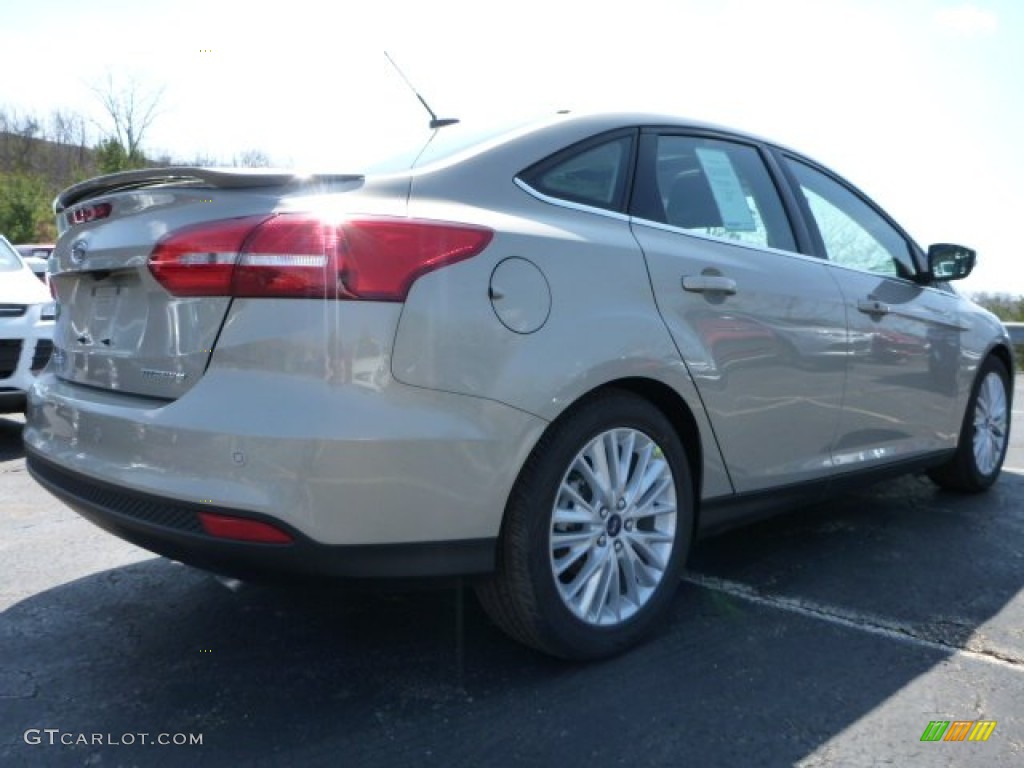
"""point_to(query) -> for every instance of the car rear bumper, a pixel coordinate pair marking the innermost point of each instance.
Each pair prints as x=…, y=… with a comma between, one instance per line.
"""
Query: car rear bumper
x=172, y=528
x=338, y=466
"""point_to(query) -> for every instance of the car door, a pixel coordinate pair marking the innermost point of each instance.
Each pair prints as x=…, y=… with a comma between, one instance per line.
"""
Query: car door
x=760, y=326
x=901, y=398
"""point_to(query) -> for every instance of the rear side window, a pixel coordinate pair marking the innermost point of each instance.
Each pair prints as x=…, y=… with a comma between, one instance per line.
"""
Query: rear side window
x=711, y=187
x=594, y=175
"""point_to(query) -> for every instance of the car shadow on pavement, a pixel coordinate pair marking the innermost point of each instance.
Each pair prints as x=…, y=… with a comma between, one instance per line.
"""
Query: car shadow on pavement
x=904, y=555
x=325, y=676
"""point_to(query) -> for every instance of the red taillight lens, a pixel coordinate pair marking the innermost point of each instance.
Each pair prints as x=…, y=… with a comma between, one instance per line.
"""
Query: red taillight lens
x=200, y=260
x=302, y=256
x=84, y=213
x=381, y=258
x=289, y=256
x=242, y=529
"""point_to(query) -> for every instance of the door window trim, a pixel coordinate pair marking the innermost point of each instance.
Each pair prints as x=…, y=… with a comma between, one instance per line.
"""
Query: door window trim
x=570, y=204
x=645, y=158
x=525, y=178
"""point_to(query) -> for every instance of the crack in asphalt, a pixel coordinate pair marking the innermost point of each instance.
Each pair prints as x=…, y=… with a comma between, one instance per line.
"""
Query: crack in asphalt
x=865, y=622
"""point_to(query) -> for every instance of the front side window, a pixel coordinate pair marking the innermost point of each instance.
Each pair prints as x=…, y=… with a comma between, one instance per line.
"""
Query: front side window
x=711, y=187
x=854, y=234
x=595, y=175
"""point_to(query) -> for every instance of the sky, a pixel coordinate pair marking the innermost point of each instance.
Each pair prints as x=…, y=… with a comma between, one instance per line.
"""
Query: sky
x=918, y=102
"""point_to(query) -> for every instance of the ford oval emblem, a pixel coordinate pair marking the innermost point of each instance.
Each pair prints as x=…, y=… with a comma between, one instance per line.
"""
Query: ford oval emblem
x=78, y=249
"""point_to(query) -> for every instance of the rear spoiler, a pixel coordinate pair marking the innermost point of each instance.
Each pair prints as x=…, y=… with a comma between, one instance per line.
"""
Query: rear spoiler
x=223, y=178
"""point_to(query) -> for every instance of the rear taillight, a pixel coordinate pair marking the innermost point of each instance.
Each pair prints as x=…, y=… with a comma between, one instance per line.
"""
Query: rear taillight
x=303, y=256
x=86, y=213
x=200, y=260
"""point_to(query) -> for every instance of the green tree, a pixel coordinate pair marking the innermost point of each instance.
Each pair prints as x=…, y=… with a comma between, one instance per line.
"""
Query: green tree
x=1009, y=309
x=25, y=214
x=111, y=157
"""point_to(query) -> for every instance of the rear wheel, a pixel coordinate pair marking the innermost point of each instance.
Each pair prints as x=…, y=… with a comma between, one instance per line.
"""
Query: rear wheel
x=983, y=435
x=596, y=531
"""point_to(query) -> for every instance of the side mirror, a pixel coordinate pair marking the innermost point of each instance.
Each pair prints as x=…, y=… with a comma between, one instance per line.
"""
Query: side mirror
x=947, y=261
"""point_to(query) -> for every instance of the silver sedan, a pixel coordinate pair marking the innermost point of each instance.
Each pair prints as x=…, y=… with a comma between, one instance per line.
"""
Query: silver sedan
x=545, y=357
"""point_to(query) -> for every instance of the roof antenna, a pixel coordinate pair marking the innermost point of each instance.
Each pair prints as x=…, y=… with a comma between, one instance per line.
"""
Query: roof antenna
x=435, y=121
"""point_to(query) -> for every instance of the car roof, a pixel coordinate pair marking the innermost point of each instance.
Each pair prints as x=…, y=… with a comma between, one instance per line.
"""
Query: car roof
x=565, y=128
x=600, y=122
x=530, y=140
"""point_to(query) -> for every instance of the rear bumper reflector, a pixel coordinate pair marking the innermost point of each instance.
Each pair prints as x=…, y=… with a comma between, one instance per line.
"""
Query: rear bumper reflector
x=242, y=529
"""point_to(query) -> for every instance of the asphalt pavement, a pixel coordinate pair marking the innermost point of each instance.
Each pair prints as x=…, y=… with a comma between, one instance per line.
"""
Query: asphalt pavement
x=829, y=636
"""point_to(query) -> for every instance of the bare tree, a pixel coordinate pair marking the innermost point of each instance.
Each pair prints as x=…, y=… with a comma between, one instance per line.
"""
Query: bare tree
x=203, y=160
x=68, y=130
x=19, y=136
x=251, y=158
x=131, y=110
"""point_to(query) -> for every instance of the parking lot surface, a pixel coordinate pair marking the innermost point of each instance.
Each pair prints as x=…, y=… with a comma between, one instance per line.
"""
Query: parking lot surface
x=830, y=636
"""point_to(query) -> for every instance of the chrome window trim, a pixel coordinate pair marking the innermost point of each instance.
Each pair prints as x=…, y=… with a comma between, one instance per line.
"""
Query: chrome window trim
x=712, y=239
x=724, y=240
x=941, y=287
x=568, y=203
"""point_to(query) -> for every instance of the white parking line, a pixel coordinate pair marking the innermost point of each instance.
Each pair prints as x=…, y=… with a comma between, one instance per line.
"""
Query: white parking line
x=875, y=625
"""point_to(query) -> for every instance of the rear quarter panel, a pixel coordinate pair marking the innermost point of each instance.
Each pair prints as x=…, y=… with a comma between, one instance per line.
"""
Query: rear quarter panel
x=602, y=326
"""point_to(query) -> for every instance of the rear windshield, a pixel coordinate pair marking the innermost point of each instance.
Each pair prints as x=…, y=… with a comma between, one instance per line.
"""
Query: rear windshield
x=9, y=259
x=443, y=143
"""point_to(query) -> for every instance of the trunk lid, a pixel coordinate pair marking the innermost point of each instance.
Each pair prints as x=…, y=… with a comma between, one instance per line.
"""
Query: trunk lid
x=118, y=328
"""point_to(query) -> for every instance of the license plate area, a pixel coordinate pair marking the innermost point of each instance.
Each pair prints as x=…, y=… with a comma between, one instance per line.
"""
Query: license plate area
x=105, y=300
x=99, y=312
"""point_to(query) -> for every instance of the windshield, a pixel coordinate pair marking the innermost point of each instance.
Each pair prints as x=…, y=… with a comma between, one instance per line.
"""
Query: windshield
x=441, y=144
x=9, y=259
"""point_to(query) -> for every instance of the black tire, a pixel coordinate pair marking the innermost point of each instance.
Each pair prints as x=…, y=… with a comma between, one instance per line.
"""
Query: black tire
x=962, y=473
x=524, y=599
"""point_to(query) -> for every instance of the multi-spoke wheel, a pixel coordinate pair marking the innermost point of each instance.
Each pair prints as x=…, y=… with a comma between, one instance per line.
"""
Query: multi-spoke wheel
x=596, y=530
x=613, y=525
x=984, y=434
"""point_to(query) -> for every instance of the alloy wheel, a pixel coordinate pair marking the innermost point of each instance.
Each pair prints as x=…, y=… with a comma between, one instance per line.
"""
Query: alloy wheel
x=613, y=526
x=990, y=423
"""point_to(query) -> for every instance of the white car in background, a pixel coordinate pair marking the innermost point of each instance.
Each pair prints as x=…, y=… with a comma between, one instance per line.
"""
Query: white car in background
x=35, y=255
x=27, y=313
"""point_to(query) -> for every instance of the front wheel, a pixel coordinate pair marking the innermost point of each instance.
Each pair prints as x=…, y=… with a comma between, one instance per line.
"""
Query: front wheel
x=596, y=531
x=984, y=433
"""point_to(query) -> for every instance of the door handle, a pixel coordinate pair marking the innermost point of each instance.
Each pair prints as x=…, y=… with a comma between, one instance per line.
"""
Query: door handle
x=873, y=307
x=709, y=284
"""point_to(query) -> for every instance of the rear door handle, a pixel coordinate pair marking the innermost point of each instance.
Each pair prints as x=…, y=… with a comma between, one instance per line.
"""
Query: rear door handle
x=709, y=284
x=873, y=307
